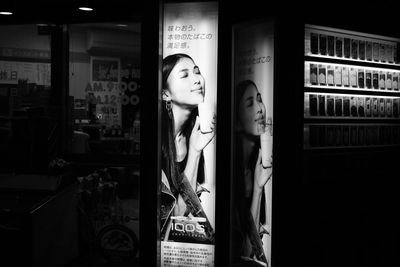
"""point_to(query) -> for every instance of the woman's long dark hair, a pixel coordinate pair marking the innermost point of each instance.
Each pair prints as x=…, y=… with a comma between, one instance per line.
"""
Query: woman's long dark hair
x=168, y=149
x=241, y=202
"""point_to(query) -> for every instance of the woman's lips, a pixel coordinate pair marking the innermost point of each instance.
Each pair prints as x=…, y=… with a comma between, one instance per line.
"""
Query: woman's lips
x=260, y=120
x=197, y=90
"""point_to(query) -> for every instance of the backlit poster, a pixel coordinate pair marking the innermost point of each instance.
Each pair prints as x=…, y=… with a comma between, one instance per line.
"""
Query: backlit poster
x=253, y=57
x=188, y=139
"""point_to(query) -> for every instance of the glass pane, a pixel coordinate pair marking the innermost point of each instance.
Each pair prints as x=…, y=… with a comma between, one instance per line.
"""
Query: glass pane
x=26, y=117
x=104, y=85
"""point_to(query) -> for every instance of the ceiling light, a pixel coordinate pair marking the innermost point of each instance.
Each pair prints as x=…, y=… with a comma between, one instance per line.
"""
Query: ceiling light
x=122, y=25
x=85, y=8
x=5, y=13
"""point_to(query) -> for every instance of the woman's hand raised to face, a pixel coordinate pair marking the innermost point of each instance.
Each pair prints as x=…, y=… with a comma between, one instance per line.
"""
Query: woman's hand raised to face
x=198, y=140
x=261, y=175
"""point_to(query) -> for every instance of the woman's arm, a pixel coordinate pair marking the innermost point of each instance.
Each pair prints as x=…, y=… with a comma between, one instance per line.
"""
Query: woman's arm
x=261, y=176
x=198, y=141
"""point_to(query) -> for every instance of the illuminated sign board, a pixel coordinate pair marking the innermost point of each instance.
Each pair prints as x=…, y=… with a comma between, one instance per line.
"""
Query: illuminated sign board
x=253, y=58
x=188, y=146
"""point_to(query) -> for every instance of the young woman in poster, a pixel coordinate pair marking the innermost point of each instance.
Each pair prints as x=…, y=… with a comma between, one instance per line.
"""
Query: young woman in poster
x=182, y=145
x=252, y=177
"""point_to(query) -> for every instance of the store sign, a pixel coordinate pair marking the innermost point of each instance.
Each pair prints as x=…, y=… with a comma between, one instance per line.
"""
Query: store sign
x=253, y=57
x=189, y=99
x=103, y=90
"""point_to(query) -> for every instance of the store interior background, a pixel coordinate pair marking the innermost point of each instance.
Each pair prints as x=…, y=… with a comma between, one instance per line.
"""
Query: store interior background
x=335, y=209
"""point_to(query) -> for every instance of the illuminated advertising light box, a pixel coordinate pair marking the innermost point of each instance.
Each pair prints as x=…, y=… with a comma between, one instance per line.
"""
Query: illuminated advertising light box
x=188, y=138
x=251, y=202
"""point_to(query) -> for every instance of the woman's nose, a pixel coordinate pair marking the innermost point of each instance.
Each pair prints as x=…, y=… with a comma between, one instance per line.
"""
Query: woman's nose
x=259, y=108
x=196, y=79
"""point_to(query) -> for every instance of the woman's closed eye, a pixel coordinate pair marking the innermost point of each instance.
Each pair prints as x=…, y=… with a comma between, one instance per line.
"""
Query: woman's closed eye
x=183, y=73
x=249, y=102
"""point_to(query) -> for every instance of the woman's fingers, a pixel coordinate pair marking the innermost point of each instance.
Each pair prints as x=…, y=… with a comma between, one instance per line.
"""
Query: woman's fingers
x=259, y=159
x=196, y=124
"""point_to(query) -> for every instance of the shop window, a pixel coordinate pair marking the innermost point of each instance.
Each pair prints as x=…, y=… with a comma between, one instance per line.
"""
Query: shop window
x=104, y=85
x=27, y=117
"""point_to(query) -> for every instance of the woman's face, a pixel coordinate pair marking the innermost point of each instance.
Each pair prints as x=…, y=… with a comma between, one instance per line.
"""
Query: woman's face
x=252, y=112
x=186, y=84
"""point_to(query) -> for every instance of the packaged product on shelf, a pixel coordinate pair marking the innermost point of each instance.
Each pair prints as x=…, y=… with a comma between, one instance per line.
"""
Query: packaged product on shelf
x=388, y=83
x=354, y=49
x=389, y=111
x=368, y=135
x=321, y=135
x=382, y=110
x=346, y=49
x=339, y=46
x=395, y=81
x=361, y=78
x=346, y=106
x=396, y=51
x=368, y=106
x=389, y=53
x=382, y=135
x=375, y=52
x=307, y=104
x=321, y=105
x=321, y=74
x=353, y=106
x=313, y=135
x=314, y=43
x=375, y=135
x=382, y=80
x=368, y=79
x=375, y=79
x=360, y=106
x=396, y=103
x=313, y=105
x=395, y=134
x=338, y=135
x=338, y=76
x=313, y=74
x=345, y=76
x=330, y=135
x=307, y=74
x=322, y=44
x=375, y=108
x=368, y=51
x=361, y=49
x=345, y=134
x=330, y=105
x=330, y=76
x=331, y=45
x=353, y=135
x=382, y=53
x=353, y=77
x=338, y=105
x=361, y=135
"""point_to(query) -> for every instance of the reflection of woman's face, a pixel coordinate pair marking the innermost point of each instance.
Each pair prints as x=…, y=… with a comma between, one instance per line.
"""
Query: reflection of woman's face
x=252, y=111
x=186, y=84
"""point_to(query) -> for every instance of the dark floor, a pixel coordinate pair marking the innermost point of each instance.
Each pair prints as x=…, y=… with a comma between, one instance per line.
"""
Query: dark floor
x=95, y=259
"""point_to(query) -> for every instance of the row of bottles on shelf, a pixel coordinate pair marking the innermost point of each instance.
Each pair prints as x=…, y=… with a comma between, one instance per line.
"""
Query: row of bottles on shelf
x=351, y=47
x=331, y=135
x=351, y=106
x=352, y=77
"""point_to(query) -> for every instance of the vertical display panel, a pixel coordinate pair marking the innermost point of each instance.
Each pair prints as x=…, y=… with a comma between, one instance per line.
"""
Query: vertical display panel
x=253, y=56
x=188, y=146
